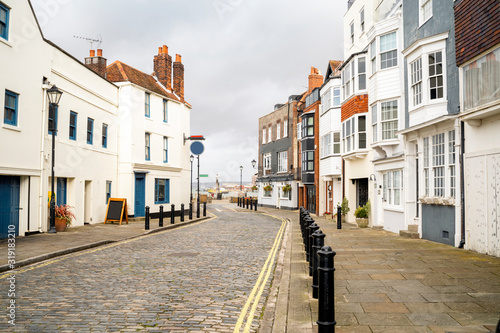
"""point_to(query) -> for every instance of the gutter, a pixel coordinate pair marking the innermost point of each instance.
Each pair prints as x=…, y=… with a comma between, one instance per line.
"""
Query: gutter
x=462, y=191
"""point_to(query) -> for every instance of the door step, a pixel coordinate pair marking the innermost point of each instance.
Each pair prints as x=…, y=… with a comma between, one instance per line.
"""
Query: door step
x=412, y=232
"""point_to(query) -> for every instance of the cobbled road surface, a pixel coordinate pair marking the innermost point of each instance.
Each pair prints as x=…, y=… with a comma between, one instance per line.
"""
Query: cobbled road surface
x=193, y=279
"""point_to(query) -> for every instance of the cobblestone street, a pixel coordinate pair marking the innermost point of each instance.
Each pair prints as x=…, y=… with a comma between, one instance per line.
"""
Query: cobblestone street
x=196, y=278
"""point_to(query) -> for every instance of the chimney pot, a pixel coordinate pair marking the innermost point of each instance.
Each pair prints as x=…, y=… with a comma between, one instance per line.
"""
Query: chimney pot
x=92, y=53
x=160, y=49
x=165, y=49
x=99, y=52
x=178, y=58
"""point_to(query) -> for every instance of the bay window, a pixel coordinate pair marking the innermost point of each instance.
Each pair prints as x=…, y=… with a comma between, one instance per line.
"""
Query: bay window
x=436, y=75
x=416, y=81
x=354, y=133
x=388, y=50
x=389, y=119
x=361, y=73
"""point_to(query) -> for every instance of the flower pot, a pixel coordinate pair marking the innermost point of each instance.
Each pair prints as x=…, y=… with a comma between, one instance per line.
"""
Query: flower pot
x=362, y=222
x=60, y=224
x=328, y=216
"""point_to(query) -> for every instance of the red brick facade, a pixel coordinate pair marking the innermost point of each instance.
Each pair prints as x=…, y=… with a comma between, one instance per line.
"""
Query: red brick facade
x=179, y=77
x=97, y=64
x=477, y=28
x=357, y=104
x=163, y=67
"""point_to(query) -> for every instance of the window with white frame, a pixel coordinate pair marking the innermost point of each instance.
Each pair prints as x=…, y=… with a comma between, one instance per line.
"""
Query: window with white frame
x=285, y=195
x=263, y=135
x=269, y=133
x=347, y=78
x=336, y=97
x=267, y=161
x=436, y=75
x=283, y=161
x=388, y=50
x=451, y=162
x=438, y=154
x=416, y=81
x=326, y=145
x=426, y=166
x=351, y=28
x=361, y=73
x=393, y=187
x=354, y=133
x=278, y=130
x=285, y=128
x=268, y=194
x=389, y=119
x=425, y=10
x=336, y=143
x=374, y=123
x=362, y=19
x=373, y=55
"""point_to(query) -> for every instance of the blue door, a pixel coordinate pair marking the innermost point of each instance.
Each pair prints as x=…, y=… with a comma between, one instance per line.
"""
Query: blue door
x=9, y=204
x=140, y=194
x=62, y=185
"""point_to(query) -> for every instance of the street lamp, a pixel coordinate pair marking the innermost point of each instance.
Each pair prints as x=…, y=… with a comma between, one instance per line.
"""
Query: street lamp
x=241, y=178
x=54, y=96
x=254, y=162
x=191, y=158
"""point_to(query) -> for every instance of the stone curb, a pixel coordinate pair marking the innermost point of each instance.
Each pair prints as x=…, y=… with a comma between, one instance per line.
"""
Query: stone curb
x=26, y=262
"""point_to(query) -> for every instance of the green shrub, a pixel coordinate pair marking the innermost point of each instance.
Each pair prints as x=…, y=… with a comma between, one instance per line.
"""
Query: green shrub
x=344, y=208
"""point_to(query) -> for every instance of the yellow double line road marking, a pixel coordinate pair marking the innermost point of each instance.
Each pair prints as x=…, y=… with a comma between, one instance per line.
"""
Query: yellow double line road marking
x=259, y=285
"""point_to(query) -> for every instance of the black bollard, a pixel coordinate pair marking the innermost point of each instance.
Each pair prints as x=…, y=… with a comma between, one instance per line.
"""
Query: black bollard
x=312, y=228
x=190, y=210
x=339, y=217
x=238, y=201
x=172, y=214
x=205, y=208
x=160, y=219
x=182, y=212
x=326, y=297
x=251, y=203
x=146, y=221
x=305, y=235
x=198, y=210
x=318, y=243
x=256, y=204
x=247, y=202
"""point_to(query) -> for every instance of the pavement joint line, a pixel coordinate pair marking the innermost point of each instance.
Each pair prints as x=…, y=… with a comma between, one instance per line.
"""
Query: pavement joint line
x=265, y=268
x=79, y=251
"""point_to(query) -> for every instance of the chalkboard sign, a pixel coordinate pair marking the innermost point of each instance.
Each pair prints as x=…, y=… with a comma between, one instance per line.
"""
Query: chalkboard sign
x=117, y=210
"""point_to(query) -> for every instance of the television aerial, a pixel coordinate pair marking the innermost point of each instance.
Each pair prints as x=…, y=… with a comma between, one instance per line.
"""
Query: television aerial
x=92, y=40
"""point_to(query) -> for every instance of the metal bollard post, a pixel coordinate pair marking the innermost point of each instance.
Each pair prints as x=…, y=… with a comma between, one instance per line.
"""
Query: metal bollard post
x=238, y=201
x=247, y=202
x=160, y=221
x=205, y=209
x=305, y=232
x=146, y=221
x=339, y=217
x=182, y=212
x=312, y=228
x=256, y=200
x=251, y=204
x=318, y=243
x=172, y=214
x=307, y=242
x=198, y=210
x=190, y=210
x=326, y=298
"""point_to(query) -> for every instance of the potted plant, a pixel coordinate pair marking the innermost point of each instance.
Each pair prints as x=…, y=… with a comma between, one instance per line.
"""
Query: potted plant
x=361, y=215
x=328, y=215
x=63, y=217
x=344, y=209
x=268, y=188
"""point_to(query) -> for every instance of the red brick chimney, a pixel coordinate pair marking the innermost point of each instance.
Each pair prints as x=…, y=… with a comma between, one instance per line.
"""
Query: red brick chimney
x=163, y=67
x=97, y=64
x=315, y=79
x=179, y=77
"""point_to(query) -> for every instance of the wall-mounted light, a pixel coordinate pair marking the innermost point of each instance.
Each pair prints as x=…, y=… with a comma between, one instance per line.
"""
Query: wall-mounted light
x=372, y=177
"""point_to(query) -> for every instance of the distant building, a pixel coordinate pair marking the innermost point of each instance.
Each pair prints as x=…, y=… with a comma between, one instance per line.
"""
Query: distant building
x=477, y=44
x=277, y=173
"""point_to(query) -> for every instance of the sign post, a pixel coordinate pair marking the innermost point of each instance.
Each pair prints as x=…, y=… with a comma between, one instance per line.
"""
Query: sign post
x=197, y=149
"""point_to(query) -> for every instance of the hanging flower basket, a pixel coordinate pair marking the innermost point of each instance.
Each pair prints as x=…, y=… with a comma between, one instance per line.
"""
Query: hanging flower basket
x=268, y=188
x=287, y=188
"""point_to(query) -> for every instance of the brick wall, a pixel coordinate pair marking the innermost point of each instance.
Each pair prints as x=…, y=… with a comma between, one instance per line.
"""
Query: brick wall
x=357, y=104
x=179, y=77
x=477, y=28
x=163, y=67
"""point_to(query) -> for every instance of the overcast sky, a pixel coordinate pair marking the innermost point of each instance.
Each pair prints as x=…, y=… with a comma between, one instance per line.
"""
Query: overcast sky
x=241, y=57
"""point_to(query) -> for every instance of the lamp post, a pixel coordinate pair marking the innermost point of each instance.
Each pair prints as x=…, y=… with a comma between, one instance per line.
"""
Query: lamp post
x=241, y=178
x=54, y=96
x=198, y=195
x=191, y=158
x=254, y=162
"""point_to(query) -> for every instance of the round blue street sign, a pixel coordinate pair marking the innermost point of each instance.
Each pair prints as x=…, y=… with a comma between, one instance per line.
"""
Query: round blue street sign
x=197, y=148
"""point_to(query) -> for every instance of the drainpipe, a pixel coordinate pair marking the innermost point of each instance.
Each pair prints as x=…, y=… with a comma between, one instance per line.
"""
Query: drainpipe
x=462, y=178
x=41, y=205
